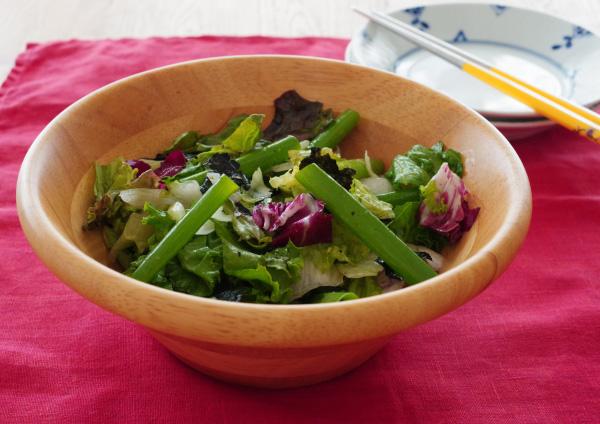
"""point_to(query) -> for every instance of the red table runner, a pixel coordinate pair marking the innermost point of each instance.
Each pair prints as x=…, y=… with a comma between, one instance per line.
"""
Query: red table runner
x=527, y=350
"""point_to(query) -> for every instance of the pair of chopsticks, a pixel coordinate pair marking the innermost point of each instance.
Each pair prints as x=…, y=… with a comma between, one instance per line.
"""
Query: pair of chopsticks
x=560, y=110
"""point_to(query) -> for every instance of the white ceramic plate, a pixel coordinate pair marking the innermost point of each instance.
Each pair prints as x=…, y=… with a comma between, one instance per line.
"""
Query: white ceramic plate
x=553, y=54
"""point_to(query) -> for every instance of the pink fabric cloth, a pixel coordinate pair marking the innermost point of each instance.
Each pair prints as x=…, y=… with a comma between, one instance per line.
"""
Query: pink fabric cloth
x=527, y=350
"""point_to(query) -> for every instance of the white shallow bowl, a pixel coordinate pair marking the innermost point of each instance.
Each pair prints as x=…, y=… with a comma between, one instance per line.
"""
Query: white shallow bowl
x=517, y=130
x=557, y=56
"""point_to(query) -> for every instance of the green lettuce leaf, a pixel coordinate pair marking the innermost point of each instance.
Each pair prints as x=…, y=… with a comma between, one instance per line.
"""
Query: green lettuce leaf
x=241, y=137
x=324, y=263
x=430, y=159
x=184, y=281
x=405, y=173
x=406, y=226
x=194, y=271
x=160, y=279
x=135, y=233
x=245, y=136
x=333, y=296
x=219, y=137
x=192, y=142
x=257, y=191
x=287, y=182
x=353, y=249
x=246, y=265
x=247, y=230
x=114, y=217
x=360, y=167
x=363, y=287
x=284, y=264
x=420, y=163
x=319, y=269
x=429, y=194
x=454, y=160
x=185, y=142
x=271, y=274
x=203, y=257
x=323, y=256
x=159, y=220
x=367, y=268
x=112, y=177
x=379, y=208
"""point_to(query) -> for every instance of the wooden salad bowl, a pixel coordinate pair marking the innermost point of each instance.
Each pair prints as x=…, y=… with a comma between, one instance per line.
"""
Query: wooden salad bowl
x=254, y=344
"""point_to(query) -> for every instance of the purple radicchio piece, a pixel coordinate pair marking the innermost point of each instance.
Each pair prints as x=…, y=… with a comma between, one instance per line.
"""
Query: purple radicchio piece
x=301, y=221
x=140, y=165
x=265, y=216
x=172, y=164
x=466, y=224
x=312, y=229
x=445, y=208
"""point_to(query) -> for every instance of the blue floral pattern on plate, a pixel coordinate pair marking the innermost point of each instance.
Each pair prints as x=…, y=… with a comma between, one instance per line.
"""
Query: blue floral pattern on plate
x=498, y=9
x=416, y=20
x=366, y=36
x=567, y=41
x=460, y=37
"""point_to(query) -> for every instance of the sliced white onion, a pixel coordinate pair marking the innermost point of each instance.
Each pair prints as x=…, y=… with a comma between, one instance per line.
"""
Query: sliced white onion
x=137, y=197
x=282, y=167
x=176, y=211
x=258, y=190
x=221, y=216
x=213, y=177
x=235, y=197
x=304, y=144
x=207, y=228
x=368, y=165
x=377, y=185
x=437, y=260
x=187, y=192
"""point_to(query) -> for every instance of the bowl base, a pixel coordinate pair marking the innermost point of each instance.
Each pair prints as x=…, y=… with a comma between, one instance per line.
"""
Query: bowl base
x=273, y=383
x=273, y=368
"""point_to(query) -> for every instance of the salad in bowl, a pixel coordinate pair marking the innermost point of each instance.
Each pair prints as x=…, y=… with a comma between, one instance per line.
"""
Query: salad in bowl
x=276, y=214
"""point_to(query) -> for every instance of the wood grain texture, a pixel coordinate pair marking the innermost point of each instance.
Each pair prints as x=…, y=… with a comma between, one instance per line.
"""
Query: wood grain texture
x=44, y=20
x=268, y=345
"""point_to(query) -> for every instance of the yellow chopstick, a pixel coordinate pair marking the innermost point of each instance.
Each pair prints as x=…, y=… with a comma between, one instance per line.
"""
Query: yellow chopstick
x=589, y=114
x=538, y=102
x=562, y=111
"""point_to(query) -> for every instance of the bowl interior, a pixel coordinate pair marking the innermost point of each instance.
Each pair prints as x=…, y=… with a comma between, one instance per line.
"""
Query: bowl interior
x=140, y=115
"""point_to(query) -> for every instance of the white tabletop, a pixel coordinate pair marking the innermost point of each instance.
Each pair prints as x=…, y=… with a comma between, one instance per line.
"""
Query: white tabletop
x=23, y=21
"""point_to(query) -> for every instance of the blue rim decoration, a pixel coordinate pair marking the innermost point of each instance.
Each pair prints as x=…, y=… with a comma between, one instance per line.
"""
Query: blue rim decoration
x=416, y=20
x=366, y=36
x=567, y=41
x=460, y=37
x=498, y=9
